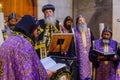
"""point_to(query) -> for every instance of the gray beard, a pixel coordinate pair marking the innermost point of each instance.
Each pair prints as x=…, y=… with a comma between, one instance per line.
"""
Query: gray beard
x=105, y=41
x=82, y=27
x=50, y=20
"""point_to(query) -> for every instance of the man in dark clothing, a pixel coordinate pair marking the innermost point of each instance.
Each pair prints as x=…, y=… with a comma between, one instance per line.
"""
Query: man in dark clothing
x=49, y=26
x=67, y=28
x=10, y=25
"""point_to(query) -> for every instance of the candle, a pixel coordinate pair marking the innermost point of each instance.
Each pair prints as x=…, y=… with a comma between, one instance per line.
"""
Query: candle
x=1, y=9
x=1, y=37
x=101, y=27
x=1, y=18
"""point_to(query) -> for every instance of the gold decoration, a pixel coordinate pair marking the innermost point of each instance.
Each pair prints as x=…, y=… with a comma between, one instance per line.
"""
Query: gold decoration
x=43, y=45
x=5, y=35
x=106, y=50
x=84, y=38
x=1, y=71
x=22, y=35
x=106, y=62
x=62, y=75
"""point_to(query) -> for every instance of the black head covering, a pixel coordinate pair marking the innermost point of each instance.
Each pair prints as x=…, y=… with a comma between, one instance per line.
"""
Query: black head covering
x=48, y=6
x=107, y=29
x=12, y=16
x=67, y=19
x=27, y=25
x=77, y=18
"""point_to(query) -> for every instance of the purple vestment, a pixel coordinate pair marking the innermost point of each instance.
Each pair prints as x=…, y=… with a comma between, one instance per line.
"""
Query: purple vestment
x=82, y=55
x=19, y=61
x=105, y=70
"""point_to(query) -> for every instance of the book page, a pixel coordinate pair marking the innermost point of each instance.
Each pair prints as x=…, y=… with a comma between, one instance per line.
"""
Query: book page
x=109, y=53
x=57, y=66
x=50, y=64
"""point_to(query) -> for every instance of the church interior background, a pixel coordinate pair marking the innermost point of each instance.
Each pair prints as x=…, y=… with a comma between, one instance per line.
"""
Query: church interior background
x=95, y=11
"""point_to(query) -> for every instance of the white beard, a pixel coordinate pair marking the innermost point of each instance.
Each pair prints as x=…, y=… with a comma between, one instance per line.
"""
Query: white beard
x=82, y=27
x=105, y=41
x=50, y=20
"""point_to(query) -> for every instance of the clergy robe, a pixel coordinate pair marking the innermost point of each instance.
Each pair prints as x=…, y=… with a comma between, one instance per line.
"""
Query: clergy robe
x=104, y=70
x=82, y=49
x=19, y=61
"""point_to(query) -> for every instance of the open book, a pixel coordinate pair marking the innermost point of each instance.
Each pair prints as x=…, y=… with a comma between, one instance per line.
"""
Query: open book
x=50, y=64
x=104, y=53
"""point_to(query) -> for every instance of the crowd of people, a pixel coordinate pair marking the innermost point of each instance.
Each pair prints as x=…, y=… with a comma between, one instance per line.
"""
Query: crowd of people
x=96, y=59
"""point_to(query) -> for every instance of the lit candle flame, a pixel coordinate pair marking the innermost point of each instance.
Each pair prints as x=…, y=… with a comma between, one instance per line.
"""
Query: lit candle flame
x=0, y=5
x=1, y=9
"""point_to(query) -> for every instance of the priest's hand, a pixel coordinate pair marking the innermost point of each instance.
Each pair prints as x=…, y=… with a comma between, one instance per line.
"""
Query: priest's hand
x=50, y=73
x=114, y=58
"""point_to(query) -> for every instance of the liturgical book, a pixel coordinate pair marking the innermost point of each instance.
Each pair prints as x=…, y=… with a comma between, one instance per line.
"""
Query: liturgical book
x=50, y=64
x=104, y=53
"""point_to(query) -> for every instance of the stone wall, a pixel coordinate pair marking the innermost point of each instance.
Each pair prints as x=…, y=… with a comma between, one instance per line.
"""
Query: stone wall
x=95, y=12
x=40, y=3
x=116, y=20
x=63, y=8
